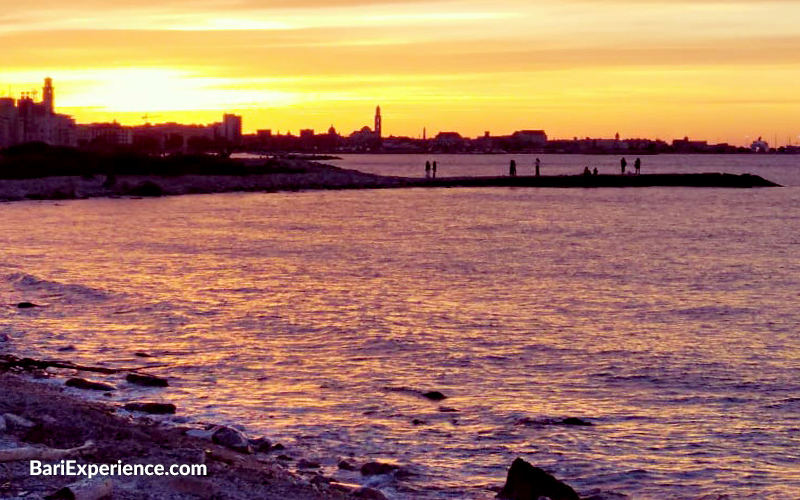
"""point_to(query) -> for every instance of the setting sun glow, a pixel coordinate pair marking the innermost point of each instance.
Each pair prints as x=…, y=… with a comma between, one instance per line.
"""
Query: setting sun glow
x=721, y=70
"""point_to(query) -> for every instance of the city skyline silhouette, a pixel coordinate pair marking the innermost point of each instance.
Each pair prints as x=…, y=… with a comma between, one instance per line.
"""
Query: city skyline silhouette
x=718, y=71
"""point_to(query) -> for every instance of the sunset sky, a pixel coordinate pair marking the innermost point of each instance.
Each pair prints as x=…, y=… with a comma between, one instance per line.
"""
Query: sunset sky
x=721, y=70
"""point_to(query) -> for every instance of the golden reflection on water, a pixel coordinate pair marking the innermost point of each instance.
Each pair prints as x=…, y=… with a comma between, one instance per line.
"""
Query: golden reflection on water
x=297, y=314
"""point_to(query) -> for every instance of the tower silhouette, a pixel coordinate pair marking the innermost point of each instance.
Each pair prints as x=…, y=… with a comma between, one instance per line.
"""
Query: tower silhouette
x=47, y=95
x=378, y=122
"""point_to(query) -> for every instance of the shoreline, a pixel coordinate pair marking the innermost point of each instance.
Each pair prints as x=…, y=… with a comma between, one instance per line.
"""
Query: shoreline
x=302, y=175
x=61, y=420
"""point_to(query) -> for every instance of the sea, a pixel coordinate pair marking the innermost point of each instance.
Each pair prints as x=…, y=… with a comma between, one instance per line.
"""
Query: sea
x=667, y=318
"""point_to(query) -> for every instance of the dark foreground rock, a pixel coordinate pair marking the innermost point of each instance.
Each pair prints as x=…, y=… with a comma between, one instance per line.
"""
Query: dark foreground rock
x=232, y=438
x=526, y=482
x=152, y=408
x=376, y=468
x=89, y=385
x=146, y=380
x=26, y=305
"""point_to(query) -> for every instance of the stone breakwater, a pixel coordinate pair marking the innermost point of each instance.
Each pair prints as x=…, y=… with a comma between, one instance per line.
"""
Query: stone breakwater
x=297, y=175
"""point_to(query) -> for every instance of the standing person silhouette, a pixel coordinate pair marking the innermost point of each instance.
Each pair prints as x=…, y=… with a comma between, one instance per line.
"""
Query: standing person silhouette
x=622, y=165
x=637, y=165
x=434, y=169
x=512, y=168
x=538, y=162
x=427, y=169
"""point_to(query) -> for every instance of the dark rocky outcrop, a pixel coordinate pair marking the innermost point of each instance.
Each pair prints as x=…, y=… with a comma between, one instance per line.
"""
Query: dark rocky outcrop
x=261, y=445
x=89, y=385
x=345, y=465
x=376, y=468
x=575, y=421
x=26, y=305
x=232, y=438
x=434, y=396
x=369, y=494
x=526, y=482
x=152, y=408
x=146, y=380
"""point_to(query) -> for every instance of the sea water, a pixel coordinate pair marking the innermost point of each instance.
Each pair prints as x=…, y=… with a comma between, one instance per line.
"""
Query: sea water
x=666, y=317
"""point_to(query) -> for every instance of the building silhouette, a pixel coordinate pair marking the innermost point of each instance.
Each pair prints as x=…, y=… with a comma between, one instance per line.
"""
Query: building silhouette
x=25, y=120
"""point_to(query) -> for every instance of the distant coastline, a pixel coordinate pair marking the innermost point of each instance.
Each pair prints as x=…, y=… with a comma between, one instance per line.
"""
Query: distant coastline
x=62, y=173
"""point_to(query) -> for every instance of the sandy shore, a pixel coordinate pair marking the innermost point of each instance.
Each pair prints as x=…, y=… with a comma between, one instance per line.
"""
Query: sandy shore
x=63, y=421
x=298, y=174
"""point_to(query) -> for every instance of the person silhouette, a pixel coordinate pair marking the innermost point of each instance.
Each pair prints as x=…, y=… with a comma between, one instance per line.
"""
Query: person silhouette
x=595, y=171
x=622, y=165
x=538, y=163
x=434, y=169
x=512, y=168
x=637, y=165
x=427, y=169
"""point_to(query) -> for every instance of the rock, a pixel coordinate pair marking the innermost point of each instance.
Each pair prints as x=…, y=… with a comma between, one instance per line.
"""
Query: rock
x=308, y=464
x=152, y=408
x=231, y=438
x=369, y=494
x=376, y=468
x=89, y=385
x=575, y=421
x=4, y=337
x=146, y=380
x=345, y=465
x=142, y=355
x=66, y=348
x=201, y=433
x=3, y=425
x=147, y=188
x=526, y=482
x=447, y=409
x=434, y=396
x=26, y=305
x=261, y=445
x=16, y=422
x=285, y=457
x=277, y=447
x=417, y=421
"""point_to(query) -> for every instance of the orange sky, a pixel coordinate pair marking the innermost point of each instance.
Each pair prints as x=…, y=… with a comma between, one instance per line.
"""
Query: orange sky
x=710, y=69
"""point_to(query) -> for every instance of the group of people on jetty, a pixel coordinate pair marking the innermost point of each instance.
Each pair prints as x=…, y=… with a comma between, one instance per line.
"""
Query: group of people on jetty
x=430, y=168
x=637, y=165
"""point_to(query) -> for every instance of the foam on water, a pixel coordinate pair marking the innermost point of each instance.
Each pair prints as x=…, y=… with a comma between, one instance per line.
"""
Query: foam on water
x=665, y=317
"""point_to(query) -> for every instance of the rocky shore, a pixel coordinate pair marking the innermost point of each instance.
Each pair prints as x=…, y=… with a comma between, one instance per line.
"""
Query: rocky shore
x=300, y=174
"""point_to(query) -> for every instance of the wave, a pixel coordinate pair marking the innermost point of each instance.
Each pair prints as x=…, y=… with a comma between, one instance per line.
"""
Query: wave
x=28, y=283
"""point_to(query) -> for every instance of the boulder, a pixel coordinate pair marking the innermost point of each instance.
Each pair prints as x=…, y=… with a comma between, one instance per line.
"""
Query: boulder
x=369, y=494
x=152, y=408
x=89, y=385
x=575, y=421
x=526, y=482
x=376, y=468
x=261, y=445
x=232, y=438
x=146, y=380
x=26, y=305
x=434, y=396
x=345, y=465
